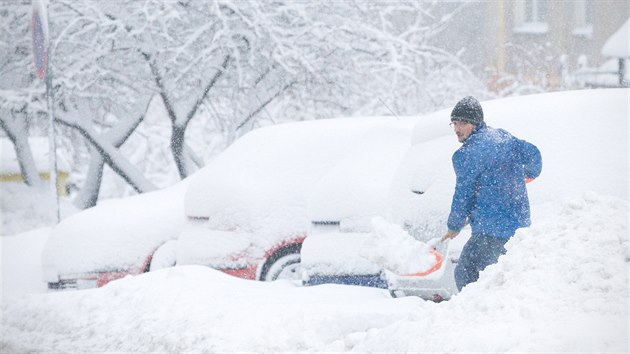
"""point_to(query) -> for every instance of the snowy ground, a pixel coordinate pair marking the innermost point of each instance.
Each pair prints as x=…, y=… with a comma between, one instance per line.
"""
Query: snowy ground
x=562, y=288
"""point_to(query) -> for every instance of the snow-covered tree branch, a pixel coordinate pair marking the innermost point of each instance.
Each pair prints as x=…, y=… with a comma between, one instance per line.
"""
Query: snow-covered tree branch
x=220, y=68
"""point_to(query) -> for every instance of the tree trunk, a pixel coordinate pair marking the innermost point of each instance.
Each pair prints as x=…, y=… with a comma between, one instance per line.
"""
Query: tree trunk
x=177, y=147
x=179, y=125
x=88, y=196
x=19, y=138
x=113, y=158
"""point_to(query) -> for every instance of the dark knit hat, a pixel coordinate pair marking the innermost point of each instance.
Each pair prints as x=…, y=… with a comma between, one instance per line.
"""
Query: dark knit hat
x=468, y=109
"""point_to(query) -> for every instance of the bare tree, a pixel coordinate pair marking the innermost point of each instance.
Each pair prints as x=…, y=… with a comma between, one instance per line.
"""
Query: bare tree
x=224, y=67
x=14, y=42
x=14, y=127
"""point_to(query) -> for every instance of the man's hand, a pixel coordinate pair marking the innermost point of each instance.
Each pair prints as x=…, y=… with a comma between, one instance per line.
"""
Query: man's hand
x=449, y=235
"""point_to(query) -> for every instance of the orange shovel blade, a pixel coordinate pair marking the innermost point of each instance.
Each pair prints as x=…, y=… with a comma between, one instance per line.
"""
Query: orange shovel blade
x=433, y=268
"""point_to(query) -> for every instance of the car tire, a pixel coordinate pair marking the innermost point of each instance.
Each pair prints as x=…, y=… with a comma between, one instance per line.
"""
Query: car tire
x=164, y=257
x=283, y=264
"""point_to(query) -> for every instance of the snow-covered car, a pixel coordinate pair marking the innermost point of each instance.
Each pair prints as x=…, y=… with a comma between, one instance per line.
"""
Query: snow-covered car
x=244, y=213
x=345, y=200
x=365, y=186
x=247, y=212
x=576, y=131
x=116, y=238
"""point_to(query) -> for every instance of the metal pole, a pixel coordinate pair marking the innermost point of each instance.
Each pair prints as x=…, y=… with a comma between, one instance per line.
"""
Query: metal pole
x=501, y=35
x=622, y=71
x=51, y=128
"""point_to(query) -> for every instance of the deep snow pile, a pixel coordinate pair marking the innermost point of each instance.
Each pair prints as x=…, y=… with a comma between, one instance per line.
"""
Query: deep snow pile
x=195, y=308
x=562, y=288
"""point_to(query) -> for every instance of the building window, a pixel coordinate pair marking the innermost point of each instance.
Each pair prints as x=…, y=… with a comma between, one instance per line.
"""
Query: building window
x=531, y=16
x=536, y=11
x=583, y=16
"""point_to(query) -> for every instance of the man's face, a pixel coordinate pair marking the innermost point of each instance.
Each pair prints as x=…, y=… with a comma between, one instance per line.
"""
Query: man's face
x=462, y=130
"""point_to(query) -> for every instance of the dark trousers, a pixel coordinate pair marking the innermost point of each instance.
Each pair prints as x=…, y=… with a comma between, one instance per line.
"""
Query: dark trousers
x=478, y=253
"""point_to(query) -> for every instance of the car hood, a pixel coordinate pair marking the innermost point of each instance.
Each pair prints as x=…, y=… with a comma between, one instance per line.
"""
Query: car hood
x=115, y=235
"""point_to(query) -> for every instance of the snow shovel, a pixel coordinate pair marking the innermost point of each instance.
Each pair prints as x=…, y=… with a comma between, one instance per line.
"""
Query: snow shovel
x=438, y=259
x=429, y=284
x=396, y=251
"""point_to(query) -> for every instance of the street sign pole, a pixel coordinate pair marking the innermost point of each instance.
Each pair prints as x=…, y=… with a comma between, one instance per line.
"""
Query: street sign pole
x=41, y=51
x=52, y=137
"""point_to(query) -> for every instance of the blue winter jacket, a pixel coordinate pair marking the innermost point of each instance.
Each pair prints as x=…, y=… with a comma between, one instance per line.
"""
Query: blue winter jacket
x=490, y=194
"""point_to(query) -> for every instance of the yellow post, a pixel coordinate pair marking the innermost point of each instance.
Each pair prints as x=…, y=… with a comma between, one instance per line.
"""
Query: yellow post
x=17, y=177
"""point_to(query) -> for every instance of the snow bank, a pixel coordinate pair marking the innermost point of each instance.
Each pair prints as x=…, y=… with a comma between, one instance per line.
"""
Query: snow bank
x=195, y=309
x=563, y=288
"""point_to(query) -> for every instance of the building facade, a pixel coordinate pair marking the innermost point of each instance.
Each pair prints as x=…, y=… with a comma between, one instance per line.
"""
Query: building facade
x=536, y=42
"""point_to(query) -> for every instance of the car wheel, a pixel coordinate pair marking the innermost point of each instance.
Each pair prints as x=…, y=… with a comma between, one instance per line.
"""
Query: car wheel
x=163, y=257
x=283, y=264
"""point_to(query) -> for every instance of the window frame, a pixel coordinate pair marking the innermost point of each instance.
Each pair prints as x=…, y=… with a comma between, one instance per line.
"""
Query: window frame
x=531, y=16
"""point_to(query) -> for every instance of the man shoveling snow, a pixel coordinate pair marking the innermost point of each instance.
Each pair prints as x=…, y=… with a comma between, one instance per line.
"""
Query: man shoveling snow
x=492, y=167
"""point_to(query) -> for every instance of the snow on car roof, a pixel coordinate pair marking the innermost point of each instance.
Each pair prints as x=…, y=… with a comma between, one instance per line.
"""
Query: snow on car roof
x=356, y=189
x=264, y=179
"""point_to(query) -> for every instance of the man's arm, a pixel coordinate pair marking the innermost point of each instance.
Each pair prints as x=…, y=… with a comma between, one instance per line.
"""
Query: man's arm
x=467, y=169
x=532, y=160
x=449, y=235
